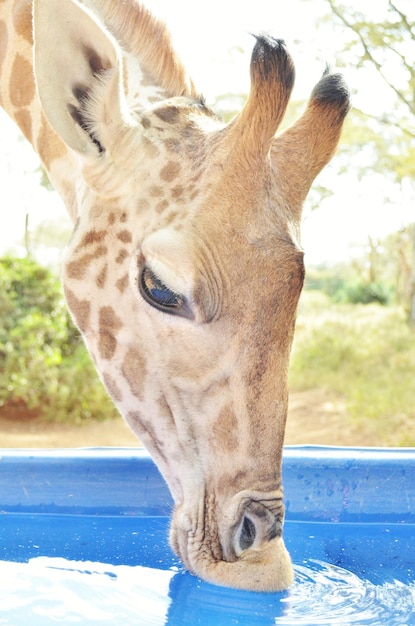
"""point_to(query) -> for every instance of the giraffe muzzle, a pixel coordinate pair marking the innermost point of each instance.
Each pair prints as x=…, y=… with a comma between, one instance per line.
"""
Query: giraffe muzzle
x=246, y=553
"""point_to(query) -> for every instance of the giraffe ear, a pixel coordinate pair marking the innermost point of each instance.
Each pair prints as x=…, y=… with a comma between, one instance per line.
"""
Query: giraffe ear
x=78, y=75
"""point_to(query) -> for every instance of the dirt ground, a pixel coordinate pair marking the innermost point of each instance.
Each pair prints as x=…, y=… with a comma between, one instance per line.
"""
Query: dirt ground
x=313, y=418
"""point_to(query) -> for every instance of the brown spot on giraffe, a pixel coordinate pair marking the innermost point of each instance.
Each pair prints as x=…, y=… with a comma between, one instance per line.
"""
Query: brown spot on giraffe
x=135, y=371
x=107, y=345
x=80, y=309
x=77, y=268
x=177, y=191
x=4, y=38
x=151, y=150
x=24, y=120
x=161, y=206
x=22, y=20
x=171, y=217
x=109, y=325
x=135, y=418
x=168, y=114
x=147, y=429
x=122, y=255
x=125, y=236
x=22, y=86
x=91, y=237
x=48, y=145
x=170, y=171
x=172, y=145
x=155, y=191
x=102, y=277
x=112, y=387
x=225, y=430
x=122, y=283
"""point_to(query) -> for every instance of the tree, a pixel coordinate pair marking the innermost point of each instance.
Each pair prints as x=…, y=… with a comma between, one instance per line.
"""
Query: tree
x=385, y=142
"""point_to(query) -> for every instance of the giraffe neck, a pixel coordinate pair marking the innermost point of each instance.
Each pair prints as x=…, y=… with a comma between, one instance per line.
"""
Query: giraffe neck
x=19, y=99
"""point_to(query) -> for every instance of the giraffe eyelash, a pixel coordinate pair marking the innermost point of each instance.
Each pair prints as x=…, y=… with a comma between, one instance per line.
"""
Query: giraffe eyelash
x=161, y=297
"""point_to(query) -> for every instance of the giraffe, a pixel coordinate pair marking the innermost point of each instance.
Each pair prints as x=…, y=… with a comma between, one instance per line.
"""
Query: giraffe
x=184, y=268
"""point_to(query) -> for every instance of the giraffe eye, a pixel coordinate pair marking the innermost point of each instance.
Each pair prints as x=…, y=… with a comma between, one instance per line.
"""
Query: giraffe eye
x=156, y=293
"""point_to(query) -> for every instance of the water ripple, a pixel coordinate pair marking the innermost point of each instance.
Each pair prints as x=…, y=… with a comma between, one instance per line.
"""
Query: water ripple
x=50, y=590
x=327, y=594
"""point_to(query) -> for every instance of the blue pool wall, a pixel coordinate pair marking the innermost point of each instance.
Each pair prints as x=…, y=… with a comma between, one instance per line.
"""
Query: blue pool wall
x=325, y=484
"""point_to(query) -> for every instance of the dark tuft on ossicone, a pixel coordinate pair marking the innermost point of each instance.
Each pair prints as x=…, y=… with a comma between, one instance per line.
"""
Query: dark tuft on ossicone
x=271, y=58
x=332, y=89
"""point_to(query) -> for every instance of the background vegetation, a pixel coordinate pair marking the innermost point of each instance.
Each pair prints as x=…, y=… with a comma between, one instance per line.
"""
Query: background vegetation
x=364, y=353
x=44, y=367
x=382, y=140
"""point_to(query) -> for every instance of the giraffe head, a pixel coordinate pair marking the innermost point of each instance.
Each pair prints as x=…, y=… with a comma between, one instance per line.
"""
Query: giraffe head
x=184, y=269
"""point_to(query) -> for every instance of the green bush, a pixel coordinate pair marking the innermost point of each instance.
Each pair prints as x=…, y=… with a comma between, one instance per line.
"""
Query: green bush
x=360, y=292
x=328, y=280
x=44, y=366
x=344, y=284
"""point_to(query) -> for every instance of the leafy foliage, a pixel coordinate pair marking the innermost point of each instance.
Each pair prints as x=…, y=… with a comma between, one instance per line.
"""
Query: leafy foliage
x=360, y=292
x=44, y=367
x=380, y=135
x=384, y=44
x=381, y=275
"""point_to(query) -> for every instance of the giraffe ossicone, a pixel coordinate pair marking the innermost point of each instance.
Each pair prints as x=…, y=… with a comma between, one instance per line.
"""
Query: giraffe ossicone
x=184, y=268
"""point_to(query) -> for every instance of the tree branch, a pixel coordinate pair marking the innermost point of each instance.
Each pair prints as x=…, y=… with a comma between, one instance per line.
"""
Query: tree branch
x=386, y=122
x=403, y=17
x=369, y=55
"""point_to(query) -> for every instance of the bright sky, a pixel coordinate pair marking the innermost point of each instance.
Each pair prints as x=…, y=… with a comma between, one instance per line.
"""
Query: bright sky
x=213, y=39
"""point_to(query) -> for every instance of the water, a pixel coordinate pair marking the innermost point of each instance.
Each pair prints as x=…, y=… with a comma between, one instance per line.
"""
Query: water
x=54, y=590
x=327, y=594
x=84, y=540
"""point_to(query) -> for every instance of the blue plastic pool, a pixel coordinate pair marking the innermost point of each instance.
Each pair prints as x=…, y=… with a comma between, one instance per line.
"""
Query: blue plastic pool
x=83, y=540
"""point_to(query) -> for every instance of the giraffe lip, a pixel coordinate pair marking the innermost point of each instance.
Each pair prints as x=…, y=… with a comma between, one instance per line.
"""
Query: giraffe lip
x=246, y=553
x=268, y=568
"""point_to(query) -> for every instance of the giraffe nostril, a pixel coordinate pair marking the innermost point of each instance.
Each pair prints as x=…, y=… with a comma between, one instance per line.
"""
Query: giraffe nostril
x=247, y=534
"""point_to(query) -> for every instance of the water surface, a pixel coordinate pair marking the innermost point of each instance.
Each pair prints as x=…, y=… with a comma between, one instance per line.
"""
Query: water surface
x=56, y=590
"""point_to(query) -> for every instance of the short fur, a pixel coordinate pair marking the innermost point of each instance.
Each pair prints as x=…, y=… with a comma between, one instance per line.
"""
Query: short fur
x=166, y=199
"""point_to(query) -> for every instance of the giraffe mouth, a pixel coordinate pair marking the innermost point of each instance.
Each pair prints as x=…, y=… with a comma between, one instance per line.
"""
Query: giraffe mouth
x=247, y=554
